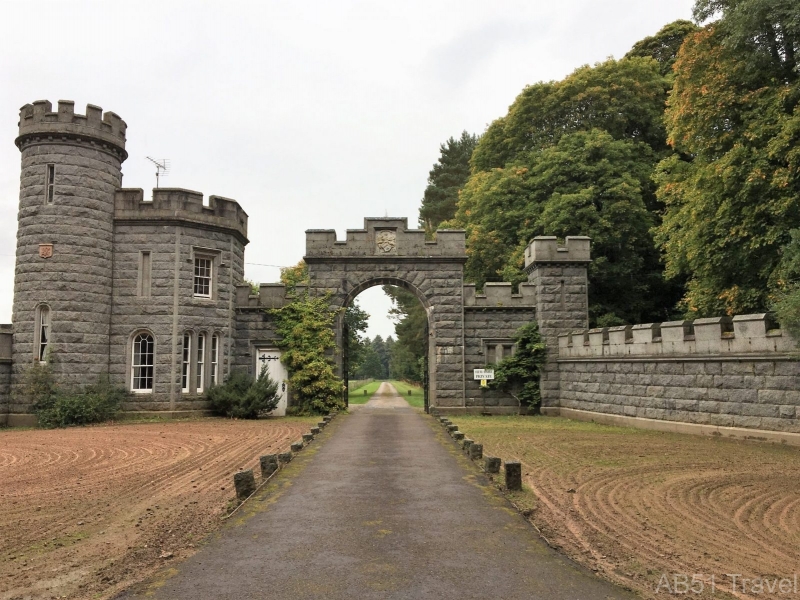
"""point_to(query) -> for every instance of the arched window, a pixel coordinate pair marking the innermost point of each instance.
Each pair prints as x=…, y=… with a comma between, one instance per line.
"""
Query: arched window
x=142, y=363
x=201, y=362
x=41, y=335
x=214, y=360
x=186, y=362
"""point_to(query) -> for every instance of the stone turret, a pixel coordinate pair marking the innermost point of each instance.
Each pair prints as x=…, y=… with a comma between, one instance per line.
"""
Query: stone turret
x=562, y=302
x=71, y=167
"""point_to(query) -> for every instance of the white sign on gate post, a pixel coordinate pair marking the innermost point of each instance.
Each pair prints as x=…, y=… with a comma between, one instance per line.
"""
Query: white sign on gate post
x=483, y=374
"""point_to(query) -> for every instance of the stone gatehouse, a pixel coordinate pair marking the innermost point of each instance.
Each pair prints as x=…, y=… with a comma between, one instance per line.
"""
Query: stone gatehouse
x=151, y=293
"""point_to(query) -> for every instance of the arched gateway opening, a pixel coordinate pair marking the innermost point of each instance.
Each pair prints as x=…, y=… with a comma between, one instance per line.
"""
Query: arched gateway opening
x=344, y=337
x=386, y=252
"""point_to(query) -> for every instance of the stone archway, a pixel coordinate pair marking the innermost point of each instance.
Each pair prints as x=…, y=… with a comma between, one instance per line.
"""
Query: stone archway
x=385, y=251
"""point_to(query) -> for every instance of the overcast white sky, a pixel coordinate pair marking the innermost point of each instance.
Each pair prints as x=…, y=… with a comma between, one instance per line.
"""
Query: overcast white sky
x=311, y=114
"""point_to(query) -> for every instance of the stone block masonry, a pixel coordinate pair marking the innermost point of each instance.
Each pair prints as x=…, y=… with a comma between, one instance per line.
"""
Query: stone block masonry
x=6, y=340
x=723, y=372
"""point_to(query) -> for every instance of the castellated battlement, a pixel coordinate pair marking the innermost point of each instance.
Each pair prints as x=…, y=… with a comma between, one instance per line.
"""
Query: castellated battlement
x=725, y=336
x=38, y=122
x=545, y=249
x=179, y=205
x=499, y=295
x=270, y=295
x=385, y=237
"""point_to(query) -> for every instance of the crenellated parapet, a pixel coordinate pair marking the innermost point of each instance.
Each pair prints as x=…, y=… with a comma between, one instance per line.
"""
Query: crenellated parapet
x=270, y=295
x=740, y=335
x=544, y=249
x=500, y=295
x=388, y=238
x=38, y=123
x=180, y=206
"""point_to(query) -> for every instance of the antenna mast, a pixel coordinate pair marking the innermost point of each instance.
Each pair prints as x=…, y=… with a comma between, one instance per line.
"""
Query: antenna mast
x=162, y=167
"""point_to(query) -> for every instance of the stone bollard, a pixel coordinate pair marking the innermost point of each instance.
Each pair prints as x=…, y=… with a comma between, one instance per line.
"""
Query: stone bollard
x=245, y=483
x=322, y=424
x=297, y=446
x=327, y=418
x=452, y=428
x=307, y=437
x=284, y=458
x=269, y=464
x=458, y=435
x=513, y=476
x=465, y=444
x=409, y=392
x=476, y=451
x=492, y=464
x=315, y=430
x=365, y=392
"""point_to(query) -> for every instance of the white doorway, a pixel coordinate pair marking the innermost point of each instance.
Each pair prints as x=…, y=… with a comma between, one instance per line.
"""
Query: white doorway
x=277, y=372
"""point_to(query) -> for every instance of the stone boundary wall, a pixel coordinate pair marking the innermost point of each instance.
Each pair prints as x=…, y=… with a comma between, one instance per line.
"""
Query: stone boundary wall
x=725, y=372
x=6, y=338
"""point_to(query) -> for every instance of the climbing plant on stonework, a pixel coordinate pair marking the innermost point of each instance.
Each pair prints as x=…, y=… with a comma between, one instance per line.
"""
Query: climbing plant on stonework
x=305, y=327
x=519, y=374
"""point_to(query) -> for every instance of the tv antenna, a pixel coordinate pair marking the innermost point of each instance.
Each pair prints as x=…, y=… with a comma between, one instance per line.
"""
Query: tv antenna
x=162, y=167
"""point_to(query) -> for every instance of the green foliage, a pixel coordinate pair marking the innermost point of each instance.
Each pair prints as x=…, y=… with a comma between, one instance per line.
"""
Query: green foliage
x=519, y=375
x=664, y=46
x=587, y=184
x=624, y=98
x=731, y=190
x=305, y=327
x=376, y=361
x=411, y=346
x=242, y=397
x=786, y=298
x=576, y=157
x=291, y=277
x=355, y=322
x=56, y=407
x=446, y=178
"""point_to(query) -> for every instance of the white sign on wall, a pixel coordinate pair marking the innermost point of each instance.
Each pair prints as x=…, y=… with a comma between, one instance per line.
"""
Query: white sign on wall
x=483, y=374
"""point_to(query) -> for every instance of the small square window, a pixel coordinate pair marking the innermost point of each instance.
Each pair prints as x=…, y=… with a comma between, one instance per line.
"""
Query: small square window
x=203, y=271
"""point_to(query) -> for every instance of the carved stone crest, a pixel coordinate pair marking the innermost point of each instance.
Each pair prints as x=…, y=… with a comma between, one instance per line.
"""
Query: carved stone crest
x=386, y=241
x=45, y=250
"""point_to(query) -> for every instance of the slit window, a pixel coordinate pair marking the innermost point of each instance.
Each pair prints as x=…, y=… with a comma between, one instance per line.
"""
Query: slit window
x=50, y=183
x=145, y=270
x=201, y=351
x=42, y=333
x=202, y=276
x=142, y=363
x=186, y=361
x=214, y=373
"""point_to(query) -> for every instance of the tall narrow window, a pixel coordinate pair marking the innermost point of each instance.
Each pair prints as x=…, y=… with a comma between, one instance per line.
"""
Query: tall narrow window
x=187, y=361
x=214, y=373
x=201, y=351
x=42, y=333
x=144, y=274
x=202, y=277
x=142, y=363
x=50, y=184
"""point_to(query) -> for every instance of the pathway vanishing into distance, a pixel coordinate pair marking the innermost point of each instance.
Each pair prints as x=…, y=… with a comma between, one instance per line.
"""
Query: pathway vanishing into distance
x=384, y=507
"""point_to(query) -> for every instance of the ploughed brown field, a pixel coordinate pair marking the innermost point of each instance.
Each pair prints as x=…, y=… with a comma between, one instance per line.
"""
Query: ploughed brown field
x=637, y=505
x=85, y=512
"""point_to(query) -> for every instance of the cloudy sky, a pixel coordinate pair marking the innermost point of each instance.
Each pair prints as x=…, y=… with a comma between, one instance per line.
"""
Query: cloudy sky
x=311, y=114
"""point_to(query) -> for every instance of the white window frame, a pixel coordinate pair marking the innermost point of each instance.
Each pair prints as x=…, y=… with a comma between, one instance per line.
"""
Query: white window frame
x=202, y=280
x=186, y=362
x=41, y=334
x=214, y=370
x=139, y=364
x=201, y=362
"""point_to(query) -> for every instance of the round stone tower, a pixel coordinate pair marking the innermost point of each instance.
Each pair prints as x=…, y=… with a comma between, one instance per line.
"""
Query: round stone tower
x=63, y=280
